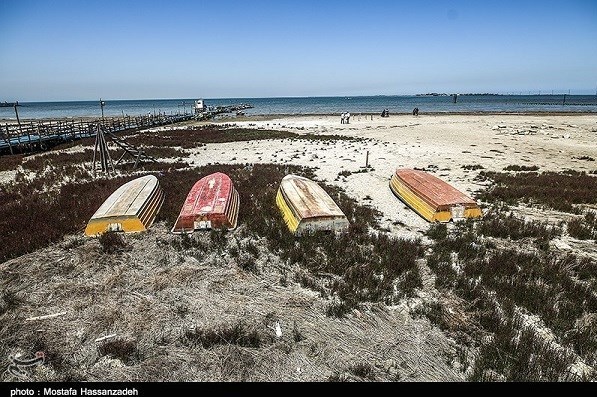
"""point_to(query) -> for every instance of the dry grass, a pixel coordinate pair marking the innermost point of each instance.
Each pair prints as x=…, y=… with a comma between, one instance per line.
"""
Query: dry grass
x=560, y=191
x=501, y=286
x=584, y=228
x=196, y=315
x=351, y=307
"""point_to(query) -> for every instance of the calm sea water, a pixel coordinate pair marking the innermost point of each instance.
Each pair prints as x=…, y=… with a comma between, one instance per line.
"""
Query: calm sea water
x=313, y=105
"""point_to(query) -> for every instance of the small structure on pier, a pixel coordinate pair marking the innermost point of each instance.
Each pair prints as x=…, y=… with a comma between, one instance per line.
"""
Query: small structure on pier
x=204, y=112
x=200, y=106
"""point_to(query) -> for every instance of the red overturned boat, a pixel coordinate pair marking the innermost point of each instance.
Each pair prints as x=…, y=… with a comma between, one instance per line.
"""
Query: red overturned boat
x=212, y=203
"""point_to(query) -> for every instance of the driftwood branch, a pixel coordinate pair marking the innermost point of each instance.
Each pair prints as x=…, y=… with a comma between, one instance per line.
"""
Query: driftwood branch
x=102, y=338
x=46, y=316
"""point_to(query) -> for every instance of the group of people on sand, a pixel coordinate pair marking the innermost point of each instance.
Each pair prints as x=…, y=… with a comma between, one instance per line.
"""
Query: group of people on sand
x=386, y=113
x=345, y=118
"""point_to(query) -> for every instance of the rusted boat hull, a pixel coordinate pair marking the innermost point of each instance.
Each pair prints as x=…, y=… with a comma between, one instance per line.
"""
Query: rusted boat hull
x=212, y=203
x=131, y=208
x=432, y=198
x=307, y=208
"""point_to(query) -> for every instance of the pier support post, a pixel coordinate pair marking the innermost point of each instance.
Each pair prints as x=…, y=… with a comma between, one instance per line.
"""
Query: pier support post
x=8, y=138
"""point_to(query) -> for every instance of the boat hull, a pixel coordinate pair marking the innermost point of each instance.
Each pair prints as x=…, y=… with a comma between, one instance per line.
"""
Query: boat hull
x=212, y=203
x=432, y=198
x=307, y=208
x=131, y=208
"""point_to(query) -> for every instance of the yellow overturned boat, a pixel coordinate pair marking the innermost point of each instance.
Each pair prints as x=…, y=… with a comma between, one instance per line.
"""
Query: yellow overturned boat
x=432, y=198
x=306, y=207
x=131, y=208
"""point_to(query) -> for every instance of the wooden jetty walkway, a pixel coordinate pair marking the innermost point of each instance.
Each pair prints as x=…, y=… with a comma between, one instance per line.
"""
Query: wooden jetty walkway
x=40, y=135
x=36, y=135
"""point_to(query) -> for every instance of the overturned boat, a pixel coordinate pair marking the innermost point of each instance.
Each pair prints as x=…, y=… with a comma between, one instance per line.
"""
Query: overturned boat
x=131, y=208
x=306, y=207
x=432, y=198
x=212, y=202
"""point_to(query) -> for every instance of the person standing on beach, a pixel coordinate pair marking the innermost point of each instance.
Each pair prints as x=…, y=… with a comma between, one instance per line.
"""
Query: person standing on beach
x=347, y=118
x=342, y=117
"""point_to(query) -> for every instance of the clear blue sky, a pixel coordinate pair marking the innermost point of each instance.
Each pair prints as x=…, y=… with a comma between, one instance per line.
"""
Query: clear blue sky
x=86, y=49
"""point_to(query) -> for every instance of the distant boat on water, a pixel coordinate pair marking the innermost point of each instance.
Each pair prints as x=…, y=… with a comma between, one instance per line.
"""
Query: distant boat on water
x=9, y=104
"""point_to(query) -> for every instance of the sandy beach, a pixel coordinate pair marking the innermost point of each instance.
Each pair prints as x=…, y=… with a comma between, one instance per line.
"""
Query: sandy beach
x=441, y=144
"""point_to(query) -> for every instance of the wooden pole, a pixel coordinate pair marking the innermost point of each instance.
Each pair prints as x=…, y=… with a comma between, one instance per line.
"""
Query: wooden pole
x=20, y=127
x=104, y=154
x=108, y=158
x=367, y=159
x=8, y=136
x=95, y=148
x=18, y=120
x=137, y=160
x=39, y=136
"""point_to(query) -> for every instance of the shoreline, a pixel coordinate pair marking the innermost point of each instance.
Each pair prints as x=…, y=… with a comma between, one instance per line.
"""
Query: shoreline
x=259, y=117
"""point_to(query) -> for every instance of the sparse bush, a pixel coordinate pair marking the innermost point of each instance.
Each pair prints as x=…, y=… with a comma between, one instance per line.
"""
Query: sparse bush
x=33, y=217
x=9, y=300
x=587, y=158
x=112, y=242
x=10, y=162
x=495, y=281
x=528, y=357
x=196, y=137
x=498, y=224
x=297, y=335
x=521, y=168
x=584, y=228
x=251, y=249
x=340, y=309
x=309, y=282
x=473, y=167
x=238, y=333
x=336, y=377
x=559, y=191
x=234, y=252
x=577, y=229
x=437, y=231
x=248, y=265
x=122, y=349
x=363, y=370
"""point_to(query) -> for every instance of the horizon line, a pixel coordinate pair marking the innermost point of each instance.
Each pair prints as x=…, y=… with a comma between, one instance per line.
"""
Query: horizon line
x=514, y=93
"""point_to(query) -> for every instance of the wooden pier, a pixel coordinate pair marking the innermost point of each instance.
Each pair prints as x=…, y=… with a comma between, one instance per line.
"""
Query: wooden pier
x=212, y=111
x=38, y=135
